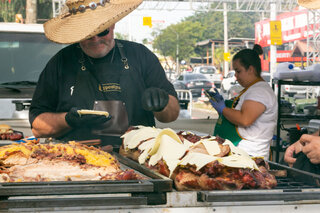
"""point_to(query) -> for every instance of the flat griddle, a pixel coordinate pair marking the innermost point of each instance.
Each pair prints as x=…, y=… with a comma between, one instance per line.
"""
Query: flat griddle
x=297, y=185
x=151, y=191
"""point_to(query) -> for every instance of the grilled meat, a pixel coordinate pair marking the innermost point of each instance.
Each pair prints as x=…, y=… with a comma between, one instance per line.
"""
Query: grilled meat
x=59, y=162
x=203, y=163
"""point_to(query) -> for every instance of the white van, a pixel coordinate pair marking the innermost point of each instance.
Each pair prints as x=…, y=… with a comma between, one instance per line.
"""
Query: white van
x=24, y=52
x=211, y=73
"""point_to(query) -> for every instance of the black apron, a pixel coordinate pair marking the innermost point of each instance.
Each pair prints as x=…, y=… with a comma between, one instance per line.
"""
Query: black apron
x=111, y=131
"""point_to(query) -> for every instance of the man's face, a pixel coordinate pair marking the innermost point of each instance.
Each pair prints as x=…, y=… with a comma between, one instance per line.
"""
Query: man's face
x=98, y=47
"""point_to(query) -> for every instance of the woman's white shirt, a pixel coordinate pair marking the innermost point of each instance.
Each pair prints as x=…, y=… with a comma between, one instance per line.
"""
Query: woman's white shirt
x=258, y=136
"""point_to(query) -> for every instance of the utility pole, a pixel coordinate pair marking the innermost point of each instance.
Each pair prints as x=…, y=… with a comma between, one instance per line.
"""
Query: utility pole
x=273, y=48
x=31, y=11
x=177, y=52
x=226, y=48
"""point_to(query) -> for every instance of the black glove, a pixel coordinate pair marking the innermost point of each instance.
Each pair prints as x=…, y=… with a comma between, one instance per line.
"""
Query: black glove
x=75, y=120
x=154, y=99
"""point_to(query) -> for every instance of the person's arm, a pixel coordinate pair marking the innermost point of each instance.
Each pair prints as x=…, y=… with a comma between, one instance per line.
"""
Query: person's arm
x=249, y=112
x=170, y=112
x=50, y=125
x=311, y=147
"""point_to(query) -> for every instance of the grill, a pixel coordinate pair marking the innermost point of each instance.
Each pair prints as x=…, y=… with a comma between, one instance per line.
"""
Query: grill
x=156, y=191
x=88, y=193
x=297, y=185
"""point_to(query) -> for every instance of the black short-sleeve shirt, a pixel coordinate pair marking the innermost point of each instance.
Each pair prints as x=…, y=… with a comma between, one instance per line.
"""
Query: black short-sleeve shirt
x=54, y=92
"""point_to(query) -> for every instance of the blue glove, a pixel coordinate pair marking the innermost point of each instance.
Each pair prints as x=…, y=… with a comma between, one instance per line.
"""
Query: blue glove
x=217, y=101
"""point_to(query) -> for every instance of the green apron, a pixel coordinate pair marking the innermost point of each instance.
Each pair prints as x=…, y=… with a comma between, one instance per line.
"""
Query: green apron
x=225, y=129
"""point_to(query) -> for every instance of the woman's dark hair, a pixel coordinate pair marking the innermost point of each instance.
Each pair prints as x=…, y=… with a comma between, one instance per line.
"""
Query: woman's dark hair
x=250, y=57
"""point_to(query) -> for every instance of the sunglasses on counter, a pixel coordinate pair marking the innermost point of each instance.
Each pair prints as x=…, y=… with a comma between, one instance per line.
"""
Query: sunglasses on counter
x=104, y=33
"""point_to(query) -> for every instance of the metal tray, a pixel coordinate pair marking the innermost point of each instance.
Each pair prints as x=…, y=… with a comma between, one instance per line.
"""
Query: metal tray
x=151, y=191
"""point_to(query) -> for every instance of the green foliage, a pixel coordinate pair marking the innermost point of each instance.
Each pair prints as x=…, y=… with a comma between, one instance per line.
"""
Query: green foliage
x=203, y=26
x=8, y=9
x=44, y=9
x=182, y=36
x=121, y=36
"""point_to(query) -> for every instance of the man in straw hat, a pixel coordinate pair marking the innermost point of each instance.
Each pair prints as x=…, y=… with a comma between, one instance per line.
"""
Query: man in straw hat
x=99, y=73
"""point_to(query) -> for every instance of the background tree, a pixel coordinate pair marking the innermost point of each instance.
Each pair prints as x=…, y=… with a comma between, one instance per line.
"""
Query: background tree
x=185, y=34
x=9, y=8
x=121, y=36
x=202, y=26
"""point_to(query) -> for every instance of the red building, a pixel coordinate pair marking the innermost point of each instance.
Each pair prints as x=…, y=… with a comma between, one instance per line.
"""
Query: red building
x=295, y=29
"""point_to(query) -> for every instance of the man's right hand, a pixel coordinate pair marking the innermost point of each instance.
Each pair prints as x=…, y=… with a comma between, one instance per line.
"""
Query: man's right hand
x=74, y=119
x=288, y=155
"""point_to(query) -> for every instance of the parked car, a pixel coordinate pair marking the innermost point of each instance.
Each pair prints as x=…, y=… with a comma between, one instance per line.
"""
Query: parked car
x=194, y=82
x=228, y=81
x=234, y=90
x=266, y=76
x=24, y=52
x=211, y=73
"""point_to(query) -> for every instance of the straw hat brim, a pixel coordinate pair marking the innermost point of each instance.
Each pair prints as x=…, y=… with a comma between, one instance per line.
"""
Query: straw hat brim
x=310, y=4
x=68, y=29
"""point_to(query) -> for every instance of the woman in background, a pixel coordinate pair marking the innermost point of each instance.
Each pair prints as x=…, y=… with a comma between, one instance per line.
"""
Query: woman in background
x=250, y=119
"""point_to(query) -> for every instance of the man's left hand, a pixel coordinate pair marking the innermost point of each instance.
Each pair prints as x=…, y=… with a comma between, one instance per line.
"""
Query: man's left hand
x=154, y=99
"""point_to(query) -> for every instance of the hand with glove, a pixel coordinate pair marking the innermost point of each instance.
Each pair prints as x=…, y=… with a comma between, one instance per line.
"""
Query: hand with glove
x=216, y=100
x=154, y=99
x=74, y=119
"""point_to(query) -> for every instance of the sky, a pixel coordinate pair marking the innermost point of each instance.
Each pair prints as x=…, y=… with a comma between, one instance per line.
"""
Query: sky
x=162, y=14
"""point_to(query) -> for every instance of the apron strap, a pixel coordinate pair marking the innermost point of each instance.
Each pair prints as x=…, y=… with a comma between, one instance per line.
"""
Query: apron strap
x=123, y=57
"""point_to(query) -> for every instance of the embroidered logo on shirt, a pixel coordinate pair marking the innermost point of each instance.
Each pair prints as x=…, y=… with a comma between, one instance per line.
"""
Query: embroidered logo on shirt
x=110, y=87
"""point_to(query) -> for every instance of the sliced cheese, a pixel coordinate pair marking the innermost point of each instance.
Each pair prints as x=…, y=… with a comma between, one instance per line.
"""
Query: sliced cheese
x=170, y=151
x=165, y=132
x=145, y=148
x=211, y=146
x=235, y=150
x=142, y=135
x=238, y=161
x=197, y=159
x=134, y=137
x=238, y=158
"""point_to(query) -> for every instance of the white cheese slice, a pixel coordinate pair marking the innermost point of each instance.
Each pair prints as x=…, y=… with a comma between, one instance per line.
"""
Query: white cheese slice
x=197, y=159
x=236, y=150
x=169, y=132
x=170, y=151
x=238, y=161
x=145, y=148
x=133, y=138
x=187, y=143
x=211, y=146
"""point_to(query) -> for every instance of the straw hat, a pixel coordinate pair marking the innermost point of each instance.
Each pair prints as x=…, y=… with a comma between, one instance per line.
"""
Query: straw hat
x=86, y=18
x=310, y=4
